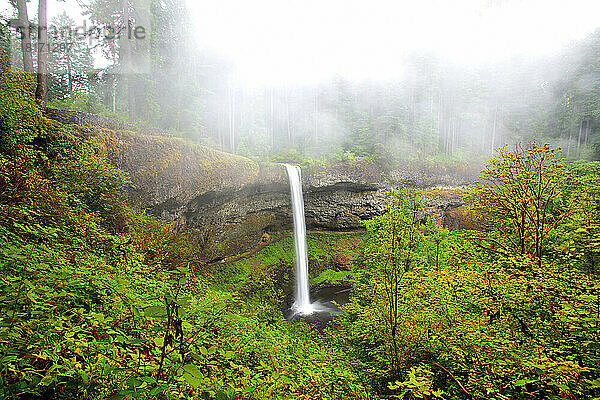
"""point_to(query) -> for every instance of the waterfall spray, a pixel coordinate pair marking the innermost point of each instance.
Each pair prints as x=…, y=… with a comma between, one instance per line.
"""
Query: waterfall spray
x=302, y=304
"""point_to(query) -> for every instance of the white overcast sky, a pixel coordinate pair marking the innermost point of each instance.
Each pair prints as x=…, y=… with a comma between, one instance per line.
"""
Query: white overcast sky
x=275, y=41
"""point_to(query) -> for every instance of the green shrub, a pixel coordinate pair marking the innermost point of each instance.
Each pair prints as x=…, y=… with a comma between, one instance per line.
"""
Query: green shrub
x=82, y=101
x=20, y=118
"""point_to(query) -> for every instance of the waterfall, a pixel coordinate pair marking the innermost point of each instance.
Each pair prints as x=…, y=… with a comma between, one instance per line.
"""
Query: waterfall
x=302, y=305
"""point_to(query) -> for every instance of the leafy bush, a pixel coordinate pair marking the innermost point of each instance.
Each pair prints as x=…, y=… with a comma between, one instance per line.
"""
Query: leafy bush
x=479, y=322
x=82, y=101
x=519, y=197
x=99, y=301
x=20, y=119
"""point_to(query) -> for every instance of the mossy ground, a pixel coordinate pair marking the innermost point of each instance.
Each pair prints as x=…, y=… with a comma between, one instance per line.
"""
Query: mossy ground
x=330, y=256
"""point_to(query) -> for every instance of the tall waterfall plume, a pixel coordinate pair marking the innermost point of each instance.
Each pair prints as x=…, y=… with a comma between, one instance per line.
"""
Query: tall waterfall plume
x=302, y=304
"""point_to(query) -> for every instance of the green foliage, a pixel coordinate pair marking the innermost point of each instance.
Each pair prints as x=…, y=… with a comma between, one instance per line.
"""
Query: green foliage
x=519, y=197
x=389, y=256
x=20, y=118
x=87, y=177
x=485, y=324
x=418, y=385
x=437, y=244
x=81, y=101
x=577, y=242
x=331, y=277
x=99, y=301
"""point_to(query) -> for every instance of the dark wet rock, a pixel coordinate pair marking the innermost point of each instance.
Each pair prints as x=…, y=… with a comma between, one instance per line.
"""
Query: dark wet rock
x=233, y=221
x=231, y=217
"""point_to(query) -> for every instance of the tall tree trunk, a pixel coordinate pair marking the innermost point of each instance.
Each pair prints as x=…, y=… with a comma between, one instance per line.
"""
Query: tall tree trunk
x=131, y=97
x=287, y=117
x=272, y=121
x=220, y=129
x=265, y=109
x=432, y=126
x=316, y=135
x=26, y=48
x=41, y=92
x=114, y=94
x=126, y=60
x=579, y=137
x=440, y=123
x=485, y=131
x=411, y=116
x=451, y=138
x=449, y=135
x=588, y=129
x=572, y=128
x=493, y=140
x=232, y=119
x=69, y=77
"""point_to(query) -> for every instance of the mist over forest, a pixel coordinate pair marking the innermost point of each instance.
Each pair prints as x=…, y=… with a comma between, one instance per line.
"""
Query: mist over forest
x=316, y=199
x=429, y=108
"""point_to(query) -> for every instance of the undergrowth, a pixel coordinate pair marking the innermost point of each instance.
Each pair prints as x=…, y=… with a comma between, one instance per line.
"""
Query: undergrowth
x=100, y=301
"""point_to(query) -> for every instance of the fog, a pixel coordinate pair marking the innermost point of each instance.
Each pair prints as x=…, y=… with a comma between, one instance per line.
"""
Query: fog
x=273, y=41
x=336, y=80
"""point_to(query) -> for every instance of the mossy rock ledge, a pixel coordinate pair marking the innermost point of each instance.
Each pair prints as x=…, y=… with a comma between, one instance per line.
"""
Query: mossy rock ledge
x=336, y=198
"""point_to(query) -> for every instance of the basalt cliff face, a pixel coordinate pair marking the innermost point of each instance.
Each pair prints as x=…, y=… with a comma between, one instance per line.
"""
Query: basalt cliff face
x=231, y=201
x=235, y=220
x=337, y=198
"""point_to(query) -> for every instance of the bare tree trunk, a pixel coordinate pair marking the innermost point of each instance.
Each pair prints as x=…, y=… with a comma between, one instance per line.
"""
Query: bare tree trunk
x=569, y=142
x=588, y=129
x=220, y=129
x=449, y=135
x=233, y=123
x=485, y=131
x=26, y=48
x=126, y=60
x=114, y=94
x=493, y=141
x=265, y=111
x=451, y=138
x=456, y=136
x=440, y=122
x=579, y=137
x=412, y=111
x=131, y=97
x=232, y=119
x=316, y=136
x=41, y=92
x=272, y=121
x=69, y=77
x=411, y=115
x=572, y=129
x=432, y=127
x=287, y=117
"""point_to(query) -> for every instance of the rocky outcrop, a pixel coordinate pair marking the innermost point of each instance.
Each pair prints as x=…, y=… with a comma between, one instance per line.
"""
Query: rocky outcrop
x=230, y=202
x=168, y=172
x=232, y=221
x=337, y=198
x=165, y=172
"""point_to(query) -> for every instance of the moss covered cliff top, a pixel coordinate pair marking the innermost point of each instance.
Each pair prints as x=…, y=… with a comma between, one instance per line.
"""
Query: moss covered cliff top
x=167, y=168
